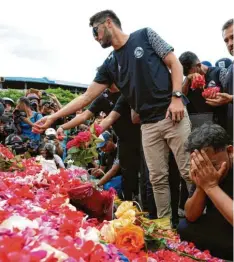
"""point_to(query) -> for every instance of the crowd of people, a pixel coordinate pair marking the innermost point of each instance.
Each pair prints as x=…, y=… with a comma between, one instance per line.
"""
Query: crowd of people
x=164, y=142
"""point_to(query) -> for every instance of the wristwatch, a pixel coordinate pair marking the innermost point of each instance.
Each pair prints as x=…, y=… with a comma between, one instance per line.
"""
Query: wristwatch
x=177, y=94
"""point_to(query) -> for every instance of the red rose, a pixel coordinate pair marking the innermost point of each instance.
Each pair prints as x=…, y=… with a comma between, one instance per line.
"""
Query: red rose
x=210, y=91
x=98, y=129
x=72, y=143
x=198, y=82
x=84, y=136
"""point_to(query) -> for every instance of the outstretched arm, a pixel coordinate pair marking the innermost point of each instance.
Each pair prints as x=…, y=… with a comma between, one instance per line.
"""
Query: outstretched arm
x=78, y=103
x=109, y=120
x=76, y=121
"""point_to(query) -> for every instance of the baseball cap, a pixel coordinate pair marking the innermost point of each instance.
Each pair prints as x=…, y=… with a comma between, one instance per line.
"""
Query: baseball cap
x=207, y=63
x=33, y=96
x=105, y=137
x=50, y=131
x=223, y=63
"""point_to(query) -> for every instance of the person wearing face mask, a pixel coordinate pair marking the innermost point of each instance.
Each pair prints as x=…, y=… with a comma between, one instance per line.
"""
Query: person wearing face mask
x=26, y=118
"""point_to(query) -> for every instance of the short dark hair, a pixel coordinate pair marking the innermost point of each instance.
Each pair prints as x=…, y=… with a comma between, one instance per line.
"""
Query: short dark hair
x=188, y=60
x=208, y=135
x=101, y=16
x=227, y=24
x=25, y=100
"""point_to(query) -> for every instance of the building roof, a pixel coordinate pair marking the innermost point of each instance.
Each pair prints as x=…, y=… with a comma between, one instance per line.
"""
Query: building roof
x=45, y=80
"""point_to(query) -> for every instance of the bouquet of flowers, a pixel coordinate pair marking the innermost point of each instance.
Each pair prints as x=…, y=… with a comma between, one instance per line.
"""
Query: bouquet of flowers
x=82, y=148
x=8, y=161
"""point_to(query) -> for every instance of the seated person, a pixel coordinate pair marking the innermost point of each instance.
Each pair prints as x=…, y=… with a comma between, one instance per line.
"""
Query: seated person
x=50, y=161
x=212, y=174
x=51, y=137
x=109, y=164
x=26, y=123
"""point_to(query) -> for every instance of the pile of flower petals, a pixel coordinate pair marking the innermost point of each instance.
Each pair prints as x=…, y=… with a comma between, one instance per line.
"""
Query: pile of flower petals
x=37, y=223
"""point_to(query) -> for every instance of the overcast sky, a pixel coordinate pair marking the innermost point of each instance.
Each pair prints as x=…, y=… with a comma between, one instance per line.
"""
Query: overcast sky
x=53, y=38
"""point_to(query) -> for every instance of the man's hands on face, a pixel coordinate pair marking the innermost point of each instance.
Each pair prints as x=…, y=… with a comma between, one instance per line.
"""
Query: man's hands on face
x=175, y=110
x=220, y=99
x=202, y=171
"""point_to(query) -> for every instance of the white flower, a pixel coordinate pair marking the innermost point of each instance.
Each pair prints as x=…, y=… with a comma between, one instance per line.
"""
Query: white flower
x=90, y=233
x=61, y=256
x=18, y=222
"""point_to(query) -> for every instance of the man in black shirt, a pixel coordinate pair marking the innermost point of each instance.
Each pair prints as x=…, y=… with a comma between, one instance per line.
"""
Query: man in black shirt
x=225, y=99
x=199, y=111
x=128, y=134
x=212, y=174
x=140, y=66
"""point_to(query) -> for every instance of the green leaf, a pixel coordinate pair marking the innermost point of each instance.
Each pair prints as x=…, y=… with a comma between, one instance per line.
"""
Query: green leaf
x=73, y=150
x=92, y=128
x=98, y=140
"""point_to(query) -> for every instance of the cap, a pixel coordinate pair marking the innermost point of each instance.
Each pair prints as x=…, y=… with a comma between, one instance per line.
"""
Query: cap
x=9, y=100
x=50, y=131
x=207, y=63
x=105, y=137
x=33, y=96
x=223, y=63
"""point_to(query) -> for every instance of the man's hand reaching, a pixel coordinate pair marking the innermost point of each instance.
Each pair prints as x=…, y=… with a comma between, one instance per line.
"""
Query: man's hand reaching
x=41, y=125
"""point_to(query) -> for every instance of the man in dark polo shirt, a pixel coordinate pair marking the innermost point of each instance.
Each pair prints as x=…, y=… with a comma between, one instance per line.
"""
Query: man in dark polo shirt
x=149, y=75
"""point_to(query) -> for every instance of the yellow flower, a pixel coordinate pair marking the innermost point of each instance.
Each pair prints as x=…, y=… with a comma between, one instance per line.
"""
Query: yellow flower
x=108, y=233
x=125, y=206
x=129, y=215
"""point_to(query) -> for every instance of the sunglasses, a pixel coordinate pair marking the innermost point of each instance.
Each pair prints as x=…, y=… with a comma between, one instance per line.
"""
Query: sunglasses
x=95, y=29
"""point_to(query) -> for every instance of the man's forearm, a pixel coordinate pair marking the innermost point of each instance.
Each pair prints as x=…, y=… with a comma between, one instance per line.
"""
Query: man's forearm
x=222, y=202
x=109, y=120
x=176, y=76
x=79, y=119
x=176, y=68
x=185, y=86
x=109, y=175
x=195, y=205
x=80, y=102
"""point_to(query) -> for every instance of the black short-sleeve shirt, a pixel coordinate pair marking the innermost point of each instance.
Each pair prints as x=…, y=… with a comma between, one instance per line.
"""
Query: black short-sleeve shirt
x=137, y=68
x=212, y=212
x=125, y=130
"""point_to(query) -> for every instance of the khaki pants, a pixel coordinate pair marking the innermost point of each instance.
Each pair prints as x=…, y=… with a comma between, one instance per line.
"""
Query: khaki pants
x=157, y=139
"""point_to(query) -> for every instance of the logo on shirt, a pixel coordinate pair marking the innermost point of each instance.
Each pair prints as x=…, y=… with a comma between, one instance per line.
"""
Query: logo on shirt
x=138, y=52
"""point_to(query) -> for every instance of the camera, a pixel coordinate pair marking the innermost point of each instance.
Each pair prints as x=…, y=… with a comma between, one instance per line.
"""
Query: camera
x=18, y=115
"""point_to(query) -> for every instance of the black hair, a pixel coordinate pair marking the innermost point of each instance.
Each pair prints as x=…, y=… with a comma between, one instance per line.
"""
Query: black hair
x=208, y=135
x=188, y=60
x=101, y=16
x=227, y=24
x=25, y=100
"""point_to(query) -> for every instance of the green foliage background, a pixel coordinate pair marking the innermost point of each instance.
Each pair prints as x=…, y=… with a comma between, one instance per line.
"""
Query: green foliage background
x=64, y=96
